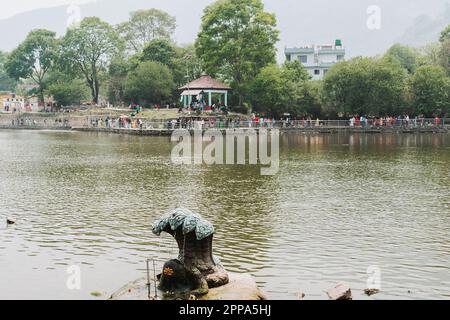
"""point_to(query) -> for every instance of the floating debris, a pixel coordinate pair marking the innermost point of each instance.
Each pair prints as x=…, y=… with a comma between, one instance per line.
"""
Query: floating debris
x=371, y=292
x=10, y=221
x=96, y=294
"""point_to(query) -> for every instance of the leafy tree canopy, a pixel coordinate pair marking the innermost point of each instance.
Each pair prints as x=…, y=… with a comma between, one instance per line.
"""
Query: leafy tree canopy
x=430, y=90
x=33, y=58
x=237, y=39
x=365, y=86
x=145, y=26
x=150, y=83
x=88, y=50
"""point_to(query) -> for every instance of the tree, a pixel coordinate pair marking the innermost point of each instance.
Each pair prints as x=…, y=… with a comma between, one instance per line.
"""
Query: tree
x=445, y=34
x=268, y=92
x=33, y=58
x=407, y=56
x=88, y=50
x=68, y=93
x=117, y=75
x=182, y=61
x=151, y=82
x=444, y=52
x=277, y=90
x=310, y=100
x=6, y=82
x=65, y=89
x=145, y=26
x=430, y=54
x=189, y=63
x=160, y=50
x=365, y=86
x=430, y=91
x=237, y=39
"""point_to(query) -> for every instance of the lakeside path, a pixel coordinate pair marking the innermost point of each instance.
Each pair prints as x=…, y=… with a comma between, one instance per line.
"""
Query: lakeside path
x=303, y=130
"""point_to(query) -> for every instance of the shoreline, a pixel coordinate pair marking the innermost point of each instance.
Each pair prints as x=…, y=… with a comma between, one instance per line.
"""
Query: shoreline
x=168, y=132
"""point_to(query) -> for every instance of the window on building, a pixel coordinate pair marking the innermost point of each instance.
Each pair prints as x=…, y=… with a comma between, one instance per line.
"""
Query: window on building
x=303, y=59
x=317, y=72
x=288, y=57
x=340, y=57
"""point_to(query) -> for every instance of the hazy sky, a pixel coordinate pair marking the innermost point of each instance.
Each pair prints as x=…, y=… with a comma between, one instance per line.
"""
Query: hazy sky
x=301, y=22
x=16, y=6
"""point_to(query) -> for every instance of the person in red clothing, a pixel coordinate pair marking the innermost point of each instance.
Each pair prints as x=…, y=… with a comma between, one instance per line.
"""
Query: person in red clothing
x=437, y=121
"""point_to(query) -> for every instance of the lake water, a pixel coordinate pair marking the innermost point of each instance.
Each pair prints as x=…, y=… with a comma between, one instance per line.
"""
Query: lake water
x=340, y=204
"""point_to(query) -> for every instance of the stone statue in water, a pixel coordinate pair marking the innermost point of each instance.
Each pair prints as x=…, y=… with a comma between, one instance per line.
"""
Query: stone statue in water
x=196, y=270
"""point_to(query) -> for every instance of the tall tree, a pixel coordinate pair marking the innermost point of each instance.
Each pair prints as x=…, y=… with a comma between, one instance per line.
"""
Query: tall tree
x=65, y=89
x=88, y=49
x=430, y=91
x=145, y=26
x=33, y=58
x=117, y=75
x=445, y=34
x=237, y=39
x=365, y=86
x=444, y=53
x=182, y=61
x=277, y=90
x=160, y=50
x=6, y=82
x=407, y=56
x=150, y=82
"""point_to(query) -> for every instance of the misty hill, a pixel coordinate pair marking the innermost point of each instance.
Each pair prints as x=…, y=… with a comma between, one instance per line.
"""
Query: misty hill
x=300, y=21
x=426, y=29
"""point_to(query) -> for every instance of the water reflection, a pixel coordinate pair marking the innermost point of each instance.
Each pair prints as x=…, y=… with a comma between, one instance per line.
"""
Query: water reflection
x=339, y=204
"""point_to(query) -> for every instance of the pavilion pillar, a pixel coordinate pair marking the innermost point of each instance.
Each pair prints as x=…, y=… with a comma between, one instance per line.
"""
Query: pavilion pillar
x=210, y=98
x=226, y=99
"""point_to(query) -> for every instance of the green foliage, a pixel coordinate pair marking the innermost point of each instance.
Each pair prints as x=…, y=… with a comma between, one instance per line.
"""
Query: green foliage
x=365, y=86
x=237, y=39
x=145, y=26
x=310, y=100
x=151, y=82
x=268, y=91
x=65, y=89
x=6, y=82
x=68, y=93
x=117, y=75
x=277, y=90
x=430, y=91
x=182, y=61
x=445, y=34
x=88, y=49
x=160, y=50
x=406, y=56
x=33, y=58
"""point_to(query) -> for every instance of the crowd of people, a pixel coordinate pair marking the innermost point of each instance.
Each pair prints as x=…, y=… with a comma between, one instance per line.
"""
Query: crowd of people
x=399, y=121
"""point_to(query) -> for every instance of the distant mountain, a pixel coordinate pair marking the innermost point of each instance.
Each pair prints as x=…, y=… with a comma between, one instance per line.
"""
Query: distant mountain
x=426, y=29
x=300, y=21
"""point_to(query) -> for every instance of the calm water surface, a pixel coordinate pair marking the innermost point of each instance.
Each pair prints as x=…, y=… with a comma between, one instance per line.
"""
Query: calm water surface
x=340, y=204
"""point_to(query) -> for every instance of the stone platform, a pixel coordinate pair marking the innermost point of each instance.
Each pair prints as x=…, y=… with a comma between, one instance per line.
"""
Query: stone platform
x=240, y=287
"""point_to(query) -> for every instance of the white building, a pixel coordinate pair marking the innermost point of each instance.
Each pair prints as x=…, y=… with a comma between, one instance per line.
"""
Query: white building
x=317, y=59
x=10, y=102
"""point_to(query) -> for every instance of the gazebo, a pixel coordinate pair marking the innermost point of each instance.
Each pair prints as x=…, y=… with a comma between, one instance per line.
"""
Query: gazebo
x=205, y=86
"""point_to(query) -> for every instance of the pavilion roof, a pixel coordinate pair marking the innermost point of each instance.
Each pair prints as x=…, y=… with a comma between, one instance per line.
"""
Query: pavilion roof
x=205, y=82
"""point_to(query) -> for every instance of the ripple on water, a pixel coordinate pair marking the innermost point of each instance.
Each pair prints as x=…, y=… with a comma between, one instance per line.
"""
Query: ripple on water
x=339, y=205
